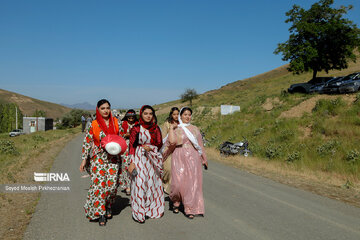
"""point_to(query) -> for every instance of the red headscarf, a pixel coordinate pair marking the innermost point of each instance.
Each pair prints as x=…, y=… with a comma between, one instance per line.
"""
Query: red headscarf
x=152, y=125
x=101, y=122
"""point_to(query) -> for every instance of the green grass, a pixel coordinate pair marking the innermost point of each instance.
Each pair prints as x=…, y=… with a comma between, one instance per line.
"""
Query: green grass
x=334, y=124
x=19, y=150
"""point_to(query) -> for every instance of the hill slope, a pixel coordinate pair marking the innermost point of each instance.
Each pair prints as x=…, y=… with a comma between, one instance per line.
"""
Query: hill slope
x=308, y=131
x=28, y=105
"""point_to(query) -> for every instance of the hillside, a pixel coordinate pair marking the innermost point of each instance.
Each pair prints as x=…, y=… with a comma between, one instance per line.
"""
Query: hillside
x=317, y=132
x=28, y=105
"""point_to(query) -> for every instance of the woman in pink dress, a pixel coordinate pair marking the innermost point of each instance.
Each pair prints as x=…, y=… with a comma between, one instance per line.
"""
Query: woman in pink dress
x=186, y=166
x=147, y=196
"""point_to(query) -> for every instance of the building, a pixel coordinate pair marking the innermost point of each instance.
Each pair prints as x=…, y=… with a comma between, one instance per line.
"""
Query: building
x=34, y=124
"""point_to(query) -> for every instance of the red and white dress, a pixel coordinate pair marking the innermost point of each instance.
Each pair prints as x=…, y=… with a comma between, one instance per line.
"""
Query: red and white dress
x=147, y=196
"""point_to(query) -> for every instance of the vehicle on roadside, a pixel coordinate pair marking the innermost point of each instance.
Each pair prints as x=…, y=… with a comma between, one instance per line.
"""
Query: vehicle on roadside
x=229, y=148
x=16, y=132
x=312, y=86
x=347, y=84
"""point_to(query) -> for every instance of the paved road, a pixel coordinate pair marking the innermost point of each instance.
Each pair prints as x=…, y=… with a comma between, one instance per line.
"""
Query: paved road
x=238, y=205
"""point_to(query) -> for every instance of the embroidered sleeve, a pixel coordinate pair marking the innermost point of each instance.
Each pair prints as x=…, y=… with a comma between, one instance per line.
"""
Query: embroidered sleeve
x=87, y=144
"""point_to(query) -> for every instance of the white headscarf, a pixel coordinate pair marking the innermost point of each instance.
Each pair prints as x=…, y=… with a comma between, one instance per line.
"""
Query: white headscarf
x=191, y=137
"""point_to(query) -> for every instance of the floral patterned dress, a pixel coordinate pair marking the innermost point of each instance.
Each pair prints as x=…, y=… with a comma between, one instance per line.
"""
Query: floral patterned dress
x=104, y=173
x=124, y=178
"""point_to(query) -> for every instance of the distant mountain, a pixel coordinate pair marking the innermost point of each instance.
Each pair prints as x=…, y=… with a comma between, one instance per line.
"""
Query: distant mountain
x=84, y=106
x=28, y=105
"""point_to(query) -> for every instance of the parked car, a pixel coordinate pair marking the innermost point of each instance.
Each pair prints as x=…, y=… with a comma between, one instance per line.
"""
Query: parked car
x=347, y=84
x=314, y=85
x=16, y=132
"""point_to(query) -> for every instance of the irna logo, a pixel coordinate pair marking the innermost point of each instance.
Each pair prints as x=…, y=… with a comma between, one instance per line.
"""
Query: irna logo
x=51, y=177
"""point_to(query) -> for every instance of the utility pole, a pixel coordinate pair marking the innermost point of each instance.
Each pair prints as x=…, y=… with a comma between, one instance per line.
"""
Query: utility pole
x=16, y=117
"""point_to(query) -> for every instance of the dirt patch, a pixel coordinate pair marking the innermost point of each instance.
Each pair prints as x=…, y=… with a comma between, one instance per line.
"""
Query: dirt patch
x=308, y=105
x=270, y=102
x=325, y=184
x=17, y=208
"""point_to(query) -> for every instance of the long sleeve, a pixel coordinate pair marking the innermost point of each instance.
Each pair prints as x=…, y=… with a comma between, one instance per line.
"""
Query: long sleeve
x=133, y=140
x=87, y=144
x=158, y=141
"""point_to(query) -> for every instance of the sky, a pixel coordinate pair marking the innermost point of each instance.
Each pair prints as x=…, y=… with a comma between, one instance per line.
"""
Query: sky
x=136, y=52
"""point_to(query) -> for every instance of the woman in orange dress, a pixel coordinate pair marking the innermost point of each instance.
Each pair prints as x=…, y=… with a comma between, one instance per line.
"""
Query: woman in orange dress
x=104, y=167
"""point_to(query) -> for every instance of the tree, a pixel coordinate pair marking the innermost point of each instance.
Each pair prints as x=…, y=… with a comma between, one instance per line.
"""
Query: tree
x=39, y=113
x=320, y=38
x=189, y=95
x=72, y=119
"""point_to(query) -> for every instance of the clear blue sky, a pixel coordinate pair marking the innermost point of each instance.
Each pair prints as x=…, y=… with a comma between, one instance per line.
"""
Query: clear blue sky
x=136, y=52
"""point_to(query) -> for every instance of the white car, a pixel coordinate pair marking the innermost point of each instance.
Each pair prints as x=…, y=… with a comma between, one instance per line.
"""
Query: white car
x=16, y=132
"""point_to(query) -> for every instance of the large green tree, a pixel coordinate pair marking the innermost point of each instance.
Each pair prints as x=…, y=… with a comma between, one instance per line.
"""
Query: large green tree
x=321, y=39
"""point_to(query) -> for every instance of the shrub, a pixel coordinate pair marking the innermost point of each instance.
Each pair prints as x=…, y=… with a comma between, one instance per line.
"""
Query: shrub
x=294, y=156
x=327, y=148
x=273, y=151
x=258, y=131
x=353, y=156
x=8, y=147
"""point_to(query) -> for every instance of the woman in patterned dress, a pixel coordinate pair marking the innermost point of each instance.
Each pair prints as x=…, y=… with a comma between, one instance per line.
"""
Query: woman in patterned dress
x=173, y=118
x=186, y=166
x=147, y=196
x=104, y=167
x=128, y=122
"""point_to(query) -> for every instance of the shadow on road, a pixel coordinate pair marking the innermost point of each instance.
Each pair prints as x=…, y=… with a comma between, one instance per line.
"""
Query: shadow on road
x=119, y=205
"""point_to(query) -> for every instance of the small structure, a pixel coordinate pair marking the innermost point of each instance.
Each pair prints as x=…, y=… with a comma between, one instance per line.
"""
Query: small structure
x=34, y=124
x=229, y=109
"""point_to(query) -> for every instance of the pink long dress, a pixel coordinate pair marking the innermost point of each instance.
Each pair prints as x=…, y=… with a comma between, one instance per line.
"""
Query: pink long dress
x=186, y=172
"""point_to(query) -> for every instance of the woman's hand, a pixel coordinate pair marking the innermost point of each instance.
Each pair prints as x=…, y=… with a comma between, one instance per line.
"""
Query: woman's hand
x=131, y=168
x=173, y=126
x=82, y=166
x=147, y=148
x=205, y=165
x=127, y=135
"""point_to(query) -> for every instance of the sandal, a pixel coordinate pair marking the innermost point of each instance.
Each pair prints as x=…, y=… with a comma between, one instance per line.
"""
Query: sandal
x=108, y=213
x=190, y=216
x=176, y=209
x=102, y=221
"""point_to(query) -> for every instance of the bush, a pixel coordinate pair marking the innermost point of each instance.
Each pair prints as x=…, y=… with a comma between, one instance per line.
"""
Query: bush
x=8, y=147
x=327, y=148
x=353, y=156
x=272, y=151
x=258, y=131
x=294, y=156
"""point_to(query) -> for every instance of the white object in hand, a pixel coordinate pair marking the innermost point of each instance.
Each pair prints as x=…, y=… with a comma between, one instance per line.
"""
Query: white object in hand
x=113, y=148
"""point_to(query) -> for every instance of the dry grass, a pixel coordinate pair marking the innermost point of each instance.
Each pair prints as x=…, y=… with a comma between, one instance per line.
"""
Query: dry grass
x=28, y=105
x=21, y=206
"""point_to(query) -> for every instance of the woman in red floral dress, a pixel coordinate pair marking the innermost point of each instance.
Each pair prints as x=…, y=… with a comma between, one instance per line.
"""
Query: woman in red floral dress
x=147, y=196
x=128, y=122
x=104, y=167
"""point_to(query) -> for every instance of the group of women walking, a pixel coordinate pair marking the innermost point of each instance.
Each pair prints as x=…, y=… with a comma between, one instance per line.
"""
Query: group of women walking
x=153, y=162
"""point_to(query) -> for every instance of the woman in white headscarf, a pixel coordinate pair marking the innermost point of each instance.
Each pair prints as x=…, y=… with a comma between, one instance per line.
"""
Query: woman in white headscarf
x=186, y=166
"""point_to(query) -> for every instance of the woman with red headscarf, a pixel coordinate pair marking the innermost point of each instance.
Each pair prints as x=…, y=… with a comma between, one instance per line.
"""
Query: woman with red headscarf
x=127, y=123
x=147, y=197
x=104, y=166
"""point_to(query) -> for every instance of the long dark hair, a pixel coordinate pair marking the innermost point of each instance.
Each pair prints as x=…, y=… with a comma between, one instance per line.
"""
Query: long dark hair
x=185, y=109
x=143, y=108
x=173, y=109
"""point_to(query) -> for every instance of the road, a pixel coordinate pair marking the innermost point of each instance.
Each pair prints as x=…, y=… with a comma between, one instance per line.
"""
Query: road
x=238, y=205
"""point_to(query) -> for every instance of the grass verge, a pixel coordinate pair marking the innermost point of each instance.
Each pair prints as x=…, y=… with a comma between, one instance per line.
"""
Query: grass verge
x=20, y=157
